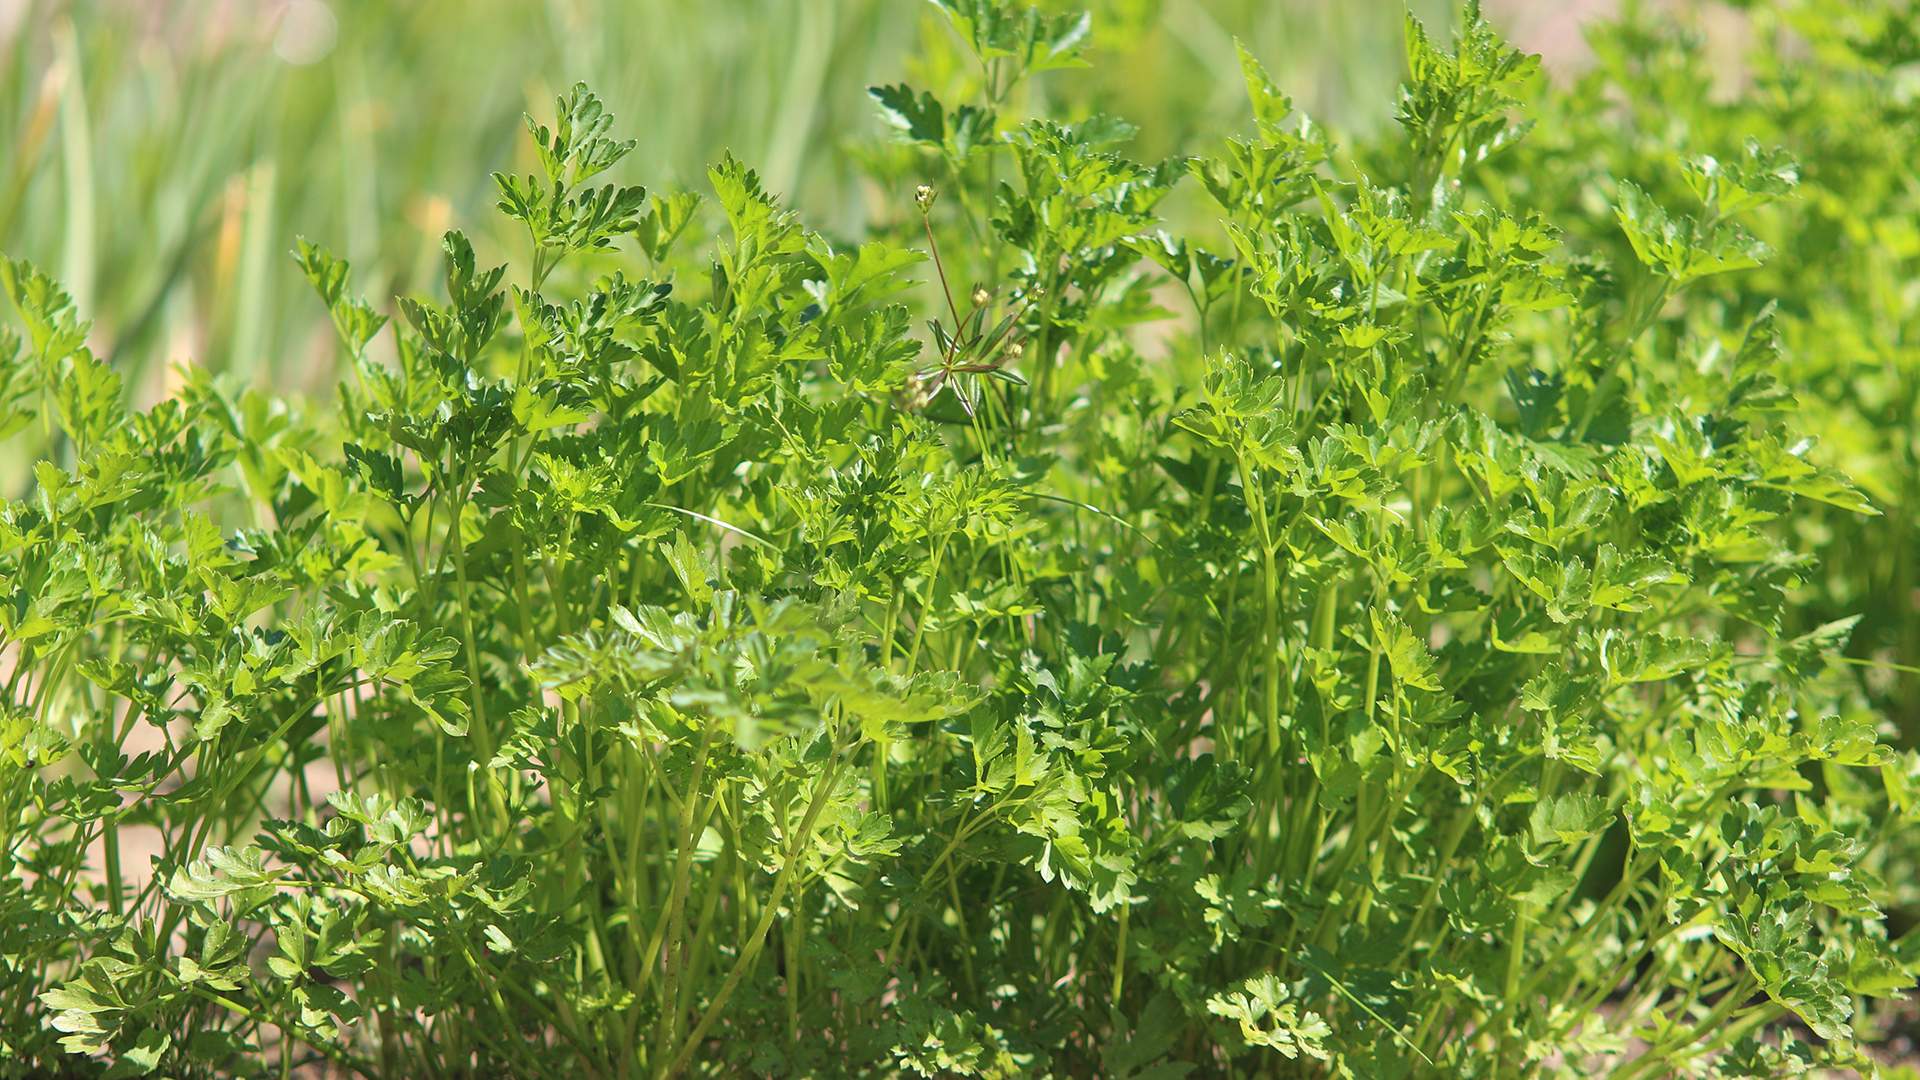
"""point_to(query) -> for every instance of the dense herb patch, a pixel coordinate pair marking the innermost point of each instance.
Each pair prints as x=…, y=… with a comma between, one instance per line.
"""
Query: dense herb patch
x=1038, y=639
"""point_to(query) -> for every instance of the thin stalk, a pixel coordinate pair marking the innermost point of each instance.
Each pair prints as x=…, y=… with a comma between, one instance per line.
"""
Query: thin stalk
x=751, y=952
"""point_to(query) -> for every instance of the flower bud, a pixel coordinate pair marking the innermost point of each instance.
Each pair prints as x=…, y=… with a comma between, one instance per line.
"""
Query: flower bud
x=923, y=197
x=981, y=296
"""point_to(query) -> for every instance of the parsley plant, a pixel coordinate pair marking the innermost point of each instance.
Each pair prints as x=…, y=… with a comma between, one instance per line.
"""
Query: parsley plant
x=1288, y=610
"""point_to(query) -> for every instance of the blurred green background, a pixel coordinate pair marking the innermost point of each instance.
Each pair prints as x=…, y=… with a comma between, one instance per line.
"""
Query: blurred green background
x=160, y=158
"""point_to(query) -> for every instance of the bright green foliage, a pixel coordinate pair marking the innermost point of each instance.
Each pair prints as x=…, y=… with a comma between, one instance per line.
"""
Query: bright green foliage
x=1379, y=636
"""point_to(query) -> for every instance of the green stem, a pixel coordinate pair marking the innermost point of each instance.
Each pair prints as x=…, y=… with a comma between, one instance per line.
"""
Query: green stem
x=751, y=952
